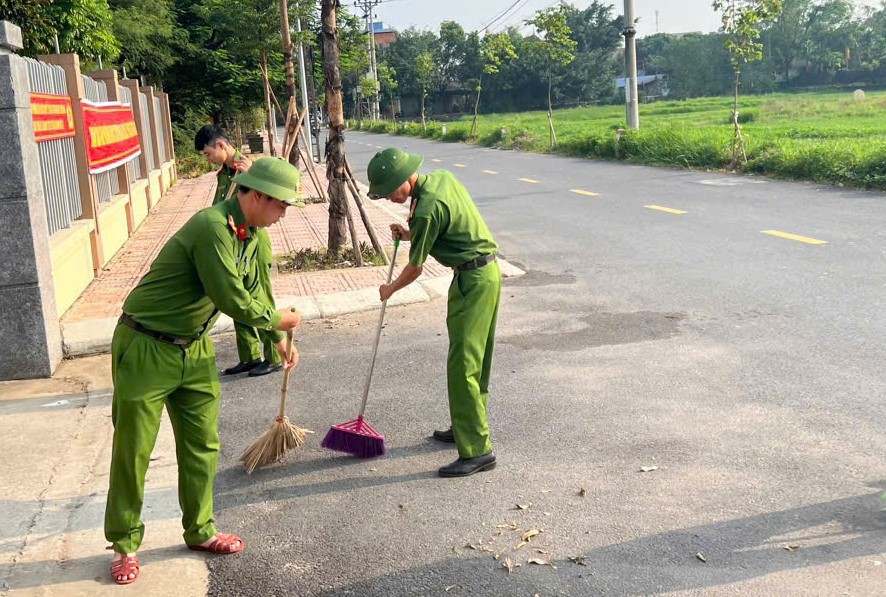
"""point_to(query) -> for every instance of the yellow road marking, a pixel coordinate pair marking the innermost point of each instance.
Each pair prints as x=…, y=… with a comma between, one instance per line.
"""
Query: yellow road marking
x=796, y=237
x=586, y=193
x=460, y=165
x=666, y=209
x=490, y=172
x=531, y=180
x=436, y=160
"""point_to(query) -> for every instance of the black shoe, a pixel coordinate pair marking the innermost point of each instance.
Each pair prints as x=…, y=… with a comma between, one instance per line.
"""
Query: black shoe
x=468, y=466
x=242, y=367
x=444, y=436
x=264, y=368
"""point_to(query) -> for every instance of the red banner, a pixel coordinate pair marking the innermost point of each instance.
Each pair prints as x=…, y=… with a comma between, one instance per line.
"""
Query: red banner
x=111, y=135
x=52, y=115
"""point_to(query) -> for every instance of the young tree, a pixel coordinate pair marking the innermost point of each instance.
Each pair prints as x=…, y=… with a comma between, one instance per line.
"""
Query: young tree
x=742, y=24
x=495, y=49
x=555, y=46
x=387, y=80
x=427, y=74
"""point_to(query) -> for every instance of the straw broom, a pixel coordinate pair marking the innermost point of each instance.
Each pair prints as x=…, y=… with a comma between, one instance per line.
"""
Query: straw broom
x=282, y=436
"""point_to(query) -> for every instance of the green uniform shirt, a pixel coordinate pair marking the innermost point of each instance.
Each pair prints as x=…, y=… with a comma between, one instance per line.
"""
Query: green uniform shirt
x=445, y=223
x=224, y=177
x=201, y=270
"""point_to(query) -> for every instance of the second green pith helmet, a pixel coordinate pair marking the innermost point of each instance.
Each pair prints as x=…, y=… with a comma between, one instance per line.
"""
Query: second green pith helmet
x=275, y=177
x=390, y=168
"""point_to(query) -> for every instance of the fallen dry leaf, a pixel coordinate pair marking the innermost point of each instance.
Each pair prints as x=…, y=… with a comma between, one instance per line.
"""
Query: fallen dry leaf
x=496, y=556
x=508, y=525
x=530, y=534
x=648, y=469
x=582, y=492
x=524, y=506
x=546, y=491
x=792, y=547
x=542, y=550
x=580, y=560
x=508, y=565
x=449, y=588
x=700, y=556
x=521, y=544
x=540, y=562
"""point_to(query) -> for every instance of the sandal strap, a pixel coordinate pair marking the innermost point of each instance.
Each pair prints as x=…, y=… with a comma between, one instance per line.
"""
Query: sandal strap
x=224, y=542
x=129, y=563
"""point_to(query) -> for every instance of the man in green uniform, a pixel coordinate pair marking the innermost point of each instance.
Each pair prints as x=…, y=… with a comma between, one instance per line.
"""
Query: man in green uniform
x=162, y=355
x=254, y=347
x=445, y=223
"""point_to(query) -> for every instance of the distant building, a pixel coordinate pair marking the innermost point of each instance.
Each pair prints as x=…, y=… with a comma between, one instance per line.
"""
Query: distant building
x=383, y=35
x=649, y=87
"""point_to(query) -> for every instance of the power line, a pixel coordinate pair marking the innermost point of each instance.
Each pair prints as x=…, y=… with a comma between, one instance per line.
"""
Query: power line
x=502, y=14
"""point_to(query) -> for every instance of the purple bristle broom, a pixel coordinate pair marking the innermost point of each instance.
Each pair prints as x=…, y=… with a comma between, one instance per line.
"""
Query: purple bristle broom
x=357, y=437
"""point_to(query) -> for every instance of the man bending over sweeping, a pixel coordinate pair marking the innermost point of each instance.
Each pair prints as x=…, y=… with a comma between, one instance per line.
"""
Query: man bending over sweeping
x=445, y=223
x=161, y=354
x=254, y=347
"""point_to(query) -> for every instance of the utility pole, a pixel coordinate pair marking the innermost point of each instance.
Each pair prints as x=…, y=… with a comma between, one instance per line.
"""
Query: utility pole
x=368, y=6
x=304, y=90
x=631, y=105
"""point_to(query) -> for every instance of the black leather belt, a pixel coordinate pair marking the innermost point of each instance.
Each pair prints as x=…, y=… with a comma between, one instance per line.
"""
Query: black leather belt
x=476, y=263
x=127, y=320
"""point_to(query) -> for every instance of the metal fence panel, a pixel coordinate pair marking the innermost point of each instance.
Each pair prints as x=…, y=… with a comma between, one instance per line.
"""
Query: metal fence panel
x=148, y=141
x=161, y=130
x=133, y=167
x=106, y=183
x=58, y=166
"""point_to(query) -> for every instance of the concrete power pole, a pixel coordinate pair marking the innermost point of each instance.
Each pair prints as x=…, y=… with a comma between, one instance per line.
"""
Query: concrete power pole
x=631, y=104
x=304, y=90
x=368, y=6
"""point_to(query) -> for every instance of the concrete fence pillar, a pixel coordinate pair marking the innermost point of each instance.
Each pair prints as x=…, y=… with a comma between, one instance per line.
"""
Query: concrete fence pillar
x=166, y=117
x=152, y=121
x=30, y=339
x=88, y=192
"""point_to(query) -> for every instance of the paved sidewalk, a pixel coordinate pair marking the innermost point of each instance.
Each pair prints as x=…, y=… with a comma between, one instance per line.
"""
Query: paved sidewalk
x=88, y=325
x=56, y=443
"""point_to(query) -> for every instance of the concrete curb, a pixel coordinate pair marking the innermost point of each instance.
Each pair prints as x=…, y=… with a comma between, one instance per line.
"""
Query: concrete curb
x=84, y=338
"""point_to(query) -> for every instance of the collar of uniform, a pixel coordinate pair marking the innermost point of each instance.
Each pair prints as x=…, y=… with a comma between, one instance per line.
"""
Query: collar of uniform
x=225, y=168
x=236, y=212
x=419, y=184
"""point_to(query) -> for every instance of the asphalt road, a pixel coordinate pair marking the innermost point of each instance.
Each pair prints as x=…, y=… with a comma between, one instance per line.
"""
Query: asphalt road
x=742, y=367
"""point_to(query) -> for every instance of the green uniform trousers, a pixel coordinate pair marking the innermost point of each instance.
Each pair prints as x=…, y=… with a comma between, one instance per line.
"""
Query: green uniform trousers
x=253, y=343
x=472, y=313
x=149, y=374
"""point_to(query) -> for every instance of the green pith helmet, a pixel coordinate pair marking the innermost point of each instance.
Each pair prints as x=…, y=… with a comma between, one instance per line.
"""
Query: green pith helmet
x=390, y=168
x=275, y=177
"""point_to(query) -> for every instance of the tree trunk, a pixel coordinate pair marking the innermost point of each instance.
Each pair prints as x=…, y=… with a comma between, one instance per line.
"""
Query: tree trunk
x=335, y=146
x=551, y=109
x=474, y=127
x=738, y=148
x=423, y=96
x=287, y=62
x=268, y=120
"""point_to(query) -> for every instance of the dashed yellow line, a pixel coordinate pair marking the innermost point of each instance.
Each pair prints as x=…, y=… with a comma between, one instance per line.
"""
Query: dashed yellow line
x=490, y=172
x=796, y=237
x=669, y=210
x=585, y=193
x=460, y=165
x=529, y=180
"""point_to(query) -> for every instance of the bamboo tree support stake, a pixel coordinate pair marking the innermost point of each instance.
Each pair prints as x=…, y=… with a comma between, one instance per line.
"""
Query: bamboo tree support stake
x=367, y=223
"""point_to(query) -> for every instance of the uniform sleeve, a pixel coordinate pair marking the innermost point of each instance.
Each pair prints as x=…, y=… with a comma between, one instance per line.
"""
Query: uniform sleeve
x=423, y=231
x=214, y=259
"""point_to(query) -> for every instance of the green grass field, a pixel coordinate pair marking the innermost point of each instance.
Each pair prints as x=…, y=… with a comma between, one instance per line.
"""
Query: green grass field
x=822, y=137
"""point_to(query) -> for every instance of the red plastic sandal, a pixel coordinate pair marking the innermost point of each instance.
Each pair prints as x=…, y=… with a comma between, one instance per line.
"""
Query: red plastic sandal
x=122, y=568
x=223, y=544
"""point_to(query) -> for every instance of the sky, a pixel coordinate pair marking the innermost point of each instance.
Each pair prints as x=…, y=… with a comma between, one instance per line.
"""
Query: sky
x=674, y=16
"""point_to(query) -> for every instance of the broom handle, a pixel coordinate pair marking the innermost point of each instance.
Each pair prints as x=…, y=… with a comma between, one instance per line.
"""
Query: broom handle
x=285, y=389
x=381, y=321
